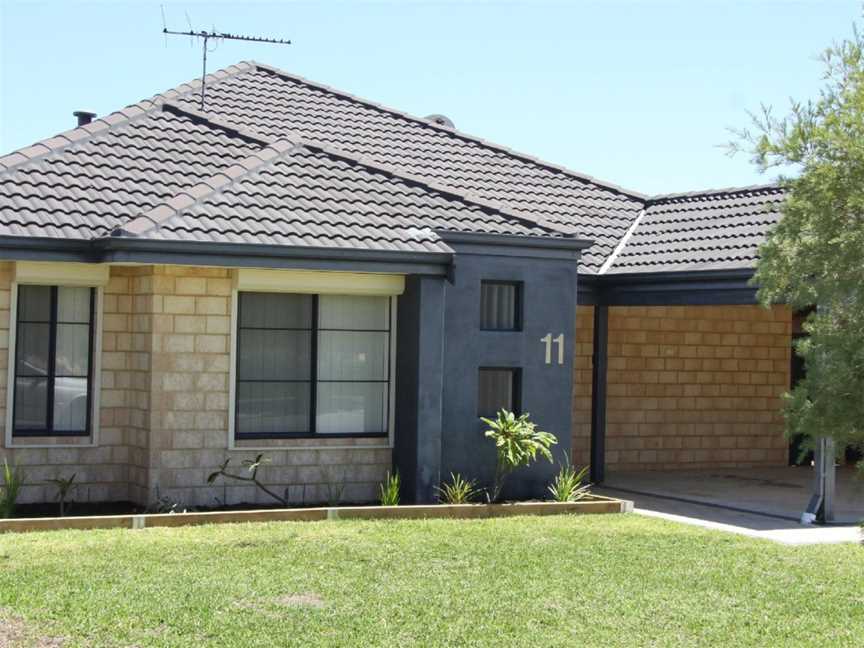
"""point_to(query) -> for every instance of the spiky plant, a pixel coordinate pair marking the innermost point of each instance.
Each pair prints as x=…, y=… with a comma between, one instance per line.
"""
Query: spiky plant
x=13, y=480
x=388, y=490
x=458, y=491
x=567, y=485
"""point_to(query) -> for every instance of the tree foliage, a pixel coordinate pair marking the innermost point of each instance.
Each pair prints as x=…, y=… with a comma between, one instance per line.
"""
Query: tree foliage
x=815, y=255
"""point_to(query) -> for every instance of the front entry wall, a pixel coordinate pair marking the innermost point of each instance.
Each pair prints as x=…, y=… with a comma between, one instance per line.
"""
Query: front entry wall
x=165, y=406
x=689, y=387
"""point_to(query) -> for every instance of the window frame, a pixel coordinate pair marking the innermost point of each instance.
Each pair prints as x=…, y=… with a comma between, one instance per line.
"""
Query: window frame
x=93, y=371
x=236, y=436
x=515, y=386
x=518, y=314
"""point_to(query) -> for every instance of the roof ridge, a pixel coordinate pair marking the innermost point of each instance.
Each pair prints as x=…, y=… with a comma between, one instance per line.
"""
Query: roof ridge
x=618, y=249
x=425, y=183
x=584, y=177
x=121, y=117
x=658, y=198
x=185, y=198
x=211, y=120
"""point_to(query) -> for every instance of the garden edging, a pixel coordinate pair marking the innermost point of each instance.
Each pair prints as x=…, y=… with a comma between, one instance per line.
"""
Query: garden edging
x=596, y=505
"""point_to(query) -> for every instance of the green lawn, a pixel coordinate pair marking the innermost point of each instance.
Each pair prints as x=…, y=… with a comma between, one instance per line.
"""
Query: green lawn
x=615, y=580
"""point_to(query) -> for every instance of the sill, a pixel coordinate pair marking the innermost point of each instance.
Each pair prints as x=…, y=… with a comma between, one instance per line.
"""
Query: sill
x=251, y=436
x=501, y=330
x=29, y=434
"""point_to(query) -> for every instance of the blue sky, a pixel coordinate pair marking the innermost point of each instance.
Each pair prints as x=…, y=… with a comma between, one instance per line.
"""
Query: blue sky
x=637, y=93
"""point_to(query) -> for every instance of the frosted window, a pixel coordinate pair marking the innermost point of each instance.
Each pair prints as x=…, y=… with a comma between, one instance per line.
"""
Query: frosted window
x=500, y=307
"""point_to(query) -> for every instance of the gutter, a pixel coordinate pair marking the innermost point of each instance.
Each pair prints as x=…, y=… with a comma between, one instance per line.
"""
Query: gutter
x=130, y=250
x=566, y=243
x=121, y=249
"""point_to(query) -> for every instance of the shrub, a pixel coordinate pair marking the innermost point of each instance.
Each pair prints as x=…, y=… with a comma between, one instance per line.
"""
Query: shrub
x=64, y=489
x=517, y=443
x=334, y=479
x=13, y=480
x=388, y=491
x=458, y=491
x=252, y=466
x=567, y=485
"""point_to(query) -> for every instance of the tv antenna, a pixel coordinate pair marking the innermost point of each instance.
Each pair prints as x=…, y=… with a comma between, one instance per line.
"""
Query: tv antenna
x=213, y=35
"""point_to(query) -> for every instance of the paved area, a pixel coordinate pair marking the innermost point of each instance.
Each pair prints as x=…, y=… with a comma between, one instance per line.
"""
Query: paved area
x=761, y=503
x=782, y=491
x=718, y=518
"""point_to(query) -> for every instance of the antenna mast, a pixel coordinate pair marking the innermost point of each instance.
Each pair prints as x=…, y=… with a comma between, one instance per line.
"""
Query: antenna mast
x=206, y=36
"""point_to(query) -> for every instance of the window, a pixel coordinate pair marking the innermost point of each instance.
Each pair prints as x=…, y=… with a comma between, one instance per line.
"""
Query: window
x=498, y=388
x=53, y=360
x=500, y=306
x=312, y=365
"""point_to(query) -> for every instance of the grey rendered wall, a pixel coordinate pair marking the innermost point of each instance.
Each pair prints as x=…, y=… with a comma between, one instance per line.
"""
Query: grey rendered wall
x=549, y=303
x=419, y=371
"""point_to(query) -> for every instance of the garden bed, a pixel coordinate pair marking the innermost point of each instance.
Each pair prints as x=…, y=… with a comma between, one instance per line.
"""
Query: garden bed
x=593, y=504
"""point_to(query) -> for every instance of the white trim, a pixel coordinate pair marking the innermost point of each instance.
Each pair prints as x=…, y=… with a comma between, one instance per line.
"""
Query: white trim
x=275, y=448
x=391, y=405
x=319, y=283
x=10, y=360
x=48, y=273
x=96, y=399
x=232, y=389
x=96, y=359
x=624, y=240
x=232, y=369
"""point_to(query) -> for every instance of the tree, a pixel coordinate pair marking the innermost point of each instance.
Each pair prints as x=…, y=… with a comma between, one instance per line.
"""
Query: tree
x=815, y=255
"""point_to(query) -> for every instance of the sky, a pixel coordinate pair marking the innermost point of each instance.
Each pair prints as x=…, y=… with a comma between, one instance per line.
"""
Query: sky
x=640, y=94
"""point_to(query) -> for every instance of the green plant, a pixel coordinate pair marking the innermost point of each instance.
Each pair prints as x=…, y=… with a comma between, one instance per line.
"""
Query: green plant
x=334, y=484
x=165, y=504
x=64, y=488
x=812, y=256
x=517, y=443
x=388, y=490
x=567, y=485
x=458, y=491
x=13, y=480
x=251, y=465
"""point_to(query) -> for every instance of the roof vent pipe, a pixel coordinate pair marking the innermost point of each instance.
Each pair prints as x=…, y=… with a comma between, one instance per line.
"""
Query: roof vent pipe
x=440, y=120
x=84, y=117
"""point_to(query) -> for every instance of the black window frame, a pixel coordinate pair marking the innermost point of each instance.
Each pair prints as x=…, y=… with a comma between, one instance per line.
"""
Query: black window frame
x=313, y=378
x=518, y=314
x=51, y=373
x=515, y=386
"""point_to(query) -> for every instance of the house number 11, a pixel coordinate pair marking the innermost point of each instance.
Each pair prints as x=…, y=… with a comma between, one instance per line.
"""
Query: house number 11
x=548, y=340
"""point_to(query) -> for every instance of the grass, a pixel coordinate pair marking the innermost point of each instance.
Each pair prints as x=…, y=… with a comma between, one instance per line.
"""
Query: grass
x=610, y=580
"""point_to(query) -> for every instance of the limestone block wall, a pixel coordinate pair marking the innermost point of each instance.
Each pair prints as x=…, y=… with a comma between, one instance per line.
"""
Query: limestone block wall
x=690, y=387
x=189, y=391
x=166, y=333
x=101, y=472
x=582, y=368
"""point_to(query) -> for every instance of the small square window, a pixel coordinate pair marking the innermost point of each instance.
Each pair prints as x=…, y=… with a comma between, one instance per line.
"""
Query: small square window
x=497, y=389
x=500, y=306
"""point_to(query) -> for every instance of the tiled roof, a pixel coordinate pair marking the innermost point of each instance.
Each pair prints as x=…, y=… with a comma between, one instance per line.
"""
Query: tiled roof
x=89, y=187
x=306, y=195
x=279, y=160
x=277, y=104
x=709, y=230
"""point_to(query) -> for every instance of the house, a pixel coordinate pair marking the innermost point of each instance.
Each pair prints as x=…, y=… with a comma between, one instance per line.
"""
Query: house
x=345, y=288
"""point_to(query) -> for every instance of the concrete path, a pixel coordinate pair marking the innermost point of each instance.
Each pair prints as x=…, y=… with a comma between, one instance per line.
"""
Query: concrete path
x=774, y=491
x=719, y=518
